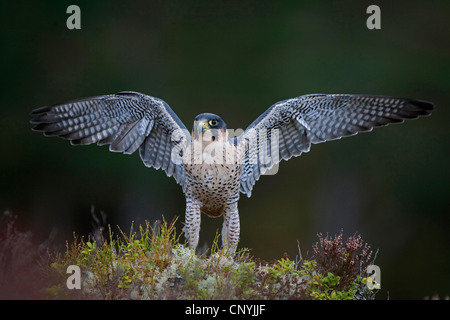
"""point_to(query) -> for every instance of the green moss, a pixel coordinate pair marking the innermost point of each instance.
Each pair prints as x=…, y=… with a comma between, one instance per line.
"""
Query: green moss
x=153, y=264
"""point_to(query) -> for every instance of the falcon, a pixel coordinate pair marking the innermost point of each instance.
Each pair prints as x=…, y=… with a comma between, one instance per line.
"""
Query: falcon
x=211, y=165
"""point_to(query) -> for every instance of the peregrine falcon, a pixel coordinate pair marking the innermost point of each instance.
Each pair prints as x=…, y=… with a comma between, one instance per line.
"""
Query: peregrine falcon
x=212, y=166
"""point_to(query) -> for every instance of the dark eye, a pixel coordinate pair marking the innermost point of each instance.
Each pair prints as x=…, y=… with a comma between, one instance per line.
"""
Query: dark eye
x=212, y=122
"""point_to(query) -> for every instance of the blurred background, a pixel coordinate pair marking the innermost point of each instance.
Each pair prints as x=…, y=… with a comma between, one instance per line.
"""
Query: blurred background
x=236, y=59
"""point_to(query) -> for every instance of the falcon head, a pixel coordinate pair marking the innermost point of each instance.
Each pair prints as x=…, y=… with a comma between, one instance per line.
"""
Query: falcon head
x=209, y=126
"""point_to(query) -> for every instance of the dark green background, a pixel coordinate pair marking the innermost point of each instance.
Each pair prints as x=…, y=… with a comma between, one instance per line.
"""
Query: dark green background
x=236, y=58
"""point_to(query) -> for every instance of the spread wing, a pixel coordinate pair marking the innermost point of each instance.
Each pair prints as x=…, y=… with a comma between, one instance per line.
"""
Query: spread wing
x=127, y=121
x=316, y=118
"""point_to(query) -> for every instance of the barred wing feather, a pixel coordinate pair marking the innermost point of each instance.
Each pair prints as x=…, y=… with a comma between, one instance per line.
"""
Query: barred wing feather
x=127, y=121
x=317, y=118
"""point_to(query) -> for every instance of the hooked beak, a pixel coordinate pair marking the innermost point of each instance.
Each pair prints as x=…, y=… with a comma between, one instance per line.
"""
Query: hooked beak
x=200, y=127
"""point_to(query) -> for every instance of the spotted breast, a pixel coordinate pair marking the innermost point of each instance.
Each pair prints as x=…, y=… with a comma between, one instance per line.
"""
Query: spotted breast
x=213, y=180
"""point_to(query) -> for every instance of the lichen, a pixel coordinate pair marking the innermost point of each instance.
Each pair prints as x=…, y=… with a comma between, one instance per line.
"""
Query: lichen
x=155, y=265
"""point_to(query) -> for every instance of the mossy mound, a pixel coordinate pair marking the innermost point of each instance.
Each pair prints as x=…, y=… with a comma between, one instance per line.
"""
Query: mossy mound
x=152, y=264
